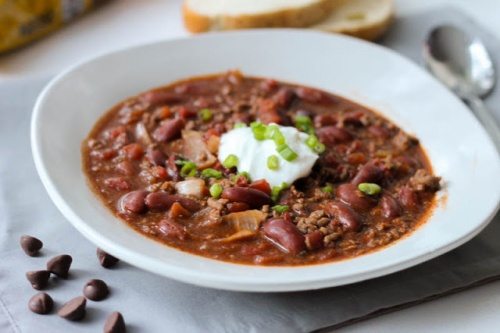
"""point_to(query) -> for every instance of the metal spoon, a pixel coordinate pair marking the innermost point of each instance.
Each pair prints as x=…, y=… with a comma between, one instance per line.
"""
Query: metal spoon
x=463, y=64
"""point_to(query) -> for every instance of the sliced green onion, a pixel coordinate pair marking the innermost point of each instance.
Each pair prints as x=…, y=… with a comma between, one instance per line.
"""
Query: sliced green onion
x=211, y=173
x=328, y=188
x=273, y=133
x=273, y=162
x=286, y=152
x=245, y=174
x=312, y=142
x=188, y=169
x=304, y=124
x=276, y=191
x=369, y=188
x=206, y=114
x=259, y=130
x=280, y=208
x=319, y=148
x=215, y=190
x=231, y=161
x=240, y=125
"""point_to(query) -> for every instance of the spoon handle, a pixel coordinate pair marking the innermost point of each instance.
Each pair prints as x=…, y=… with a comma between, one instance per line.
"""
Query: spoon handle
x=486, y=118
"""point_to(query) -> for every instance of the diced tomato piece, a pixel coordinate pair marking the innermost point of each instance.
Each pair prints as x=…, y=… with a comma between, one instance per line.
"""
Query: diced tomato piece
x=261, y=185
x=186, y=113
x=133, y=151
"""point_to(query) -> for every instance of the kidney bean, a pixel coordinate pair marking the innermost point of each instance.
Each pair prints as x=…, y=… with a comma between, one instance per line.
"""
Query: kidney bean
x=349, y=194
x=172, y=169
x=171, y=229
x=330, y=135
x=252, y=197
x=125, y=167
x=234, y=207
x=284, y=97
x=169, y=130
x=159, y=97
x=159, y=172
x=313, y=96
x=390, y=207
x=356, y=158
x=133, y=202
x=368, y=173
x=314, y=240
x=408, y=198
x=345, y=215
x=267, y=111
x=156, y=157
x=117, y=183
x=379, y=131
x=285, y=234
x=326, y=119
x=133, y=151
x=163, y=201
x=354, y=118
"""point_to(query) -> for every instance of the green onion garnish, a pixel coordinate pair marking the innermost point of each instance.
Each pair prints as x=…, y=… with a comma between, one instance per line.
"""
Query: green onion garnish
x=276, y=191
x=240, y=125
x=215, y=190
x=244, y=174
x=286, y=152
x=369, y=188
x=312, y=142
x=273, y=133
x=211, y=173
x=206, y=114
x=188, y=169
x=328, y=188
x=280, y=208
x=273, y=162
x=230, y=162
x=259, y=130
x=304, y=124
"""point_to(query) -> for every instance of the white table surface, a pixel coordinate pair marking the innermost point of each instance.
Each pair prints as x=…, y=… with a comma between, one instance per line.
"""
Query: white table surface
x=128, y=22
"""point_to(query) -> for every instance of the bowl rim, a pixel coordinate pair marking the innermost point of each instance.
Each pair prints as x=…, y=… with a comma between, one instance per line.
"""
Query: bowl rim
x=210, y=280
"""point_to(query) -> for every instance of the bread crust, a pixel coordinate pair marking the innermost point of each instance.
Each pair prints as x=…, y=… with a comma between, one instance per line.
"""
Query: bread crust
x=370, y=32
x=292, y=18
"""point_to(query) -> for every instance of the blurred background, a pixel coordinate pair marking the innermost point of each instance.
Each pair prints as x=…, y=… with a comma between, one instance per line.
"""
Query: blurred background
x=120, y=23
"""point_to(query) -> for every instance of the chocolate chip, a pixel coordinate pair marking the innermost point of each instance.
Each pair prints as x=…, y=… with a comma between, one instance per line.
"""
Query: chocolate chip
x=38, y=279
x=41, y=303
x=31, y=245
x=73, y=310
x=96, y=290
x=115, y=323
x=60, y=265
x=106, y=260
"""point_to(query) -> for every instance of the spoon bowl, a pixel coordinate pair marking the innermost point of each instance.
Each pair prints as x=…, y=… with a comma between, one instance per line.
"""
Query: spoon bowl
x=460, y=61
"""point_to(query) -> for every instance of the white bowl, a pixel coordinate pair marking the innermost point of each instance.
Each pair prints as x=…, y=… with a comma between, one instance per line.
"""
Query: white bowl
x=458, y=147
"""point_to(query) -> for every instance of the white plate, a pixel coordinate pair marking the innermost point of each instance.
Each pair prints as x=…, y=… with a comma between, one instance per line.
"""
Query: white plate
x=458, y=147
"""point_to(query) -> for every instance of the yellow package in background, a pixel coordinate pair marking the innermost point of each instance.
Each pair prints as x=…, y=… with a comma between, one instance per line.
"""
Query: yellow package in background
x=22, y=21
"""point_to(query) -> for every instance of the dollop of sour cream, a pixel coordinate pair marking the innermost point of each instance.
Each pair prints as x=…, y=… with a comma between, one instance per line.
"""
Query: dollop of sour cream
x=253, y=154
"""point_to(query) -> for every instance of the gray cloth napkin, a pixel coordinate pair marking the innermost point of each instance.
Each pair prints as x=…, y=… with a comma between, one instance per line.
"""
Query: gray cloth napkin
x=151, y=303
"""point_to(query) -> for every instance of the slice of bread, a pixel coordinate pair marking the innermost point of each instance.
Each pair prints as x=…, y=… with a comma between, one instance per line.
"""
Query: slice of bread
x=367, y=19
x=207, y=15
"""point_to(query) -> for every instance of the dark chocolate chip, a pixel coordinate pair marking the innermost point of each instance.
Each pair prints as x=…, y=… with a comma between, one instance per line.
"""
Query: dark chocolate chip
x=31, y=245
x=38, y=279
x=106, y=260
x=60, y=265
x=41, y=303
x=73, y=310
x=115, y=323
x=96, y=290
